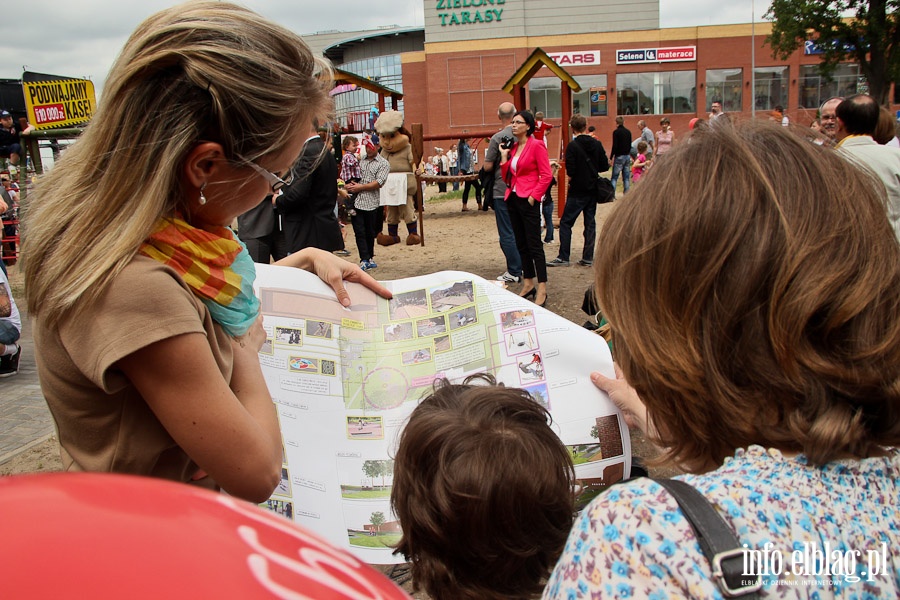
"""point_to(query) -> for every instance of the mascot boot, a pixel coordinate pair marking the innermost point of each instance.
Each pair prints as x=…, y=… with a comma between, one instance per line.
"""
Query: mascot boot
x=390, y=239
x=413, y=238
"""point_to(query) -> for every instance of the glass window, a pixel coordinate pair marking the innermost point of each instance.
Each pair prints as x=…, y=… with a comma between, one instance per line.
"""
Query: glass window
x=592, y=100
x=352, y=108
x=725, y=86
x=545, y=95
x=771, y=87
x=815, y=89
x=656, y=93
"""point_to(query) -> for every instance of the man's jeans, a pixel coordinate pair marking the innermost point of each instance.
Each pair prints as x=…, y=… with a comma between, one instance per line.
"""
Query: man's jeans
x=455, y=171
x=575, y=205
x=507, y=238
x=8, y=333
x=623, y=164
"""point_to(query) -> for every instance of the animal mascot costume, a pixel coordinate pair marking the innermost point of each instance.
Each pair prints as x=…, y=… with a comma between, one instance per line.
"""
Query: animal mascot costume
x=396, y=149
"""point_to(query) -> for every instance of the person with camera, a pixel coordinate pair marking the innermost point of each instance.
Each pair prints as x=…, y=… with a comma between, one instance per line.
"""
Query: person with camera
x=495, y=194
x=526, y=170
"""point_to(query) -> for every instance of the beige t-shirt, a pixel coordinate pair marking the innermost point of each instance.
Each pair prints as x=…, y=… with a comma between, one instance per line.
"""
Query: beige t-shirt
x=103, y=423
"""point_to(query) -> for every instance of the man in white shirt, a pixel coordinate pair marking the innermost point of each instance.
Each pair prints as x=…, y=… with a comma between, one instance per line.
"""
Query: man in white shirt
x=856, y=119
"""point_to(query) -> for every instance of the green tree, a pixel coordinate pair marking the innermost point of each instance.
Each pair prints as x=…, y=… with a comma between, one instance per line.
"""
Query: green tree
x=870, y=36
x=372, y=469
x=377, y=519
x=387, y=468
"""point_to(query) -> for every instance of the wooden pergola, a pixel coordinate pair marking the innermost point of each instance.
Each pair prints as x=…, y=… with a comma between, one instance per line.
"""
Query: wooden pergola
x=342, y=77
x=515, y=85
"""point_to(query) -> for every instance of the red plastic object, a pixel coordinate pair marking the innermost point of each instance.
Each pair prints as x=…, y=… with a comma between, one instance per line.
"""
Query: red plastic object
x=98, y=536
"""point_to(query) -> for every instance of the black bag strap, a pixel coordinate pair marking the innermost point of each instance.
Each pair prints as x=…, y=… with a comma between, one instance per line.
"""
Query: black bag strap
x=719, y=543
x=587, y=160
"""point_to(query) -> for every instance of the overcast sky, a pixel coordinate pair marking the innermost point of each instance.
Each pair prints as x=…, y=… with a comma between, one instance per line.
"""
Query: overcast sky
x=81, y=39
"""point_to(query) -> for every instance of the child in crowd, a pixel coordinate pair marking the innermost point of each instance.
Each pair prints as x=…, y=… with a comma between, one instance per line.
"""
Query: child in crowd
x=640, y=163
x=541, y=128
x=483, y=492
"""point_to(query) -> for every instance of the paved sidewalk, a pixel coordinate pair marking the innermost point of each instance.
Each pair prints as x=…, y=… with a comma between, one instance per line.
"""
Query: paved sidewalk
x=24, y=417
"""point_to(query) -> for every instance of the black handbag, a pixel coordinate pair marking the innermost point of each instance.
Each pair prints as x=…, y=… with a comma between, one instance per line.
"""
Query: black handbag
x=486, y=178
x=605, y=190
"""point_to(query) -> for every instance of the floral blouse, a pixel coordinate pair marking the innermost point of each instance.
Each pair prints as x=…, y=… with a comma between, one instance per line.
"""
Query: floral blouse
x=821, y=532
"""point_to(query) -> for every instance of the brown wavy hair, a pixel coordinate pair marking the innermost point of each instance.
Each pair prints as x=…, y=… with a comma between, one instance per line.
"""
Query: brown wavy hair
x=753, y=287
x=483, y=491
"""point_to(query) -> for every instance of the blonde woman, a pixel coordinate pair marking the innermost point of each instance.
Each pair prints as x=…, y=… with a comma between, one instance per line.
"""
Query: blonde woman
x=146, y=327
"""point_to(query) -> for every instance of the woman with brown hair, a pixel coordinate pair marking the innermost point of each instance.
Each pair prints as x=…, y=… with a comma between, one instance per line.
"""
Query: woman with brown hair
x=755, y=313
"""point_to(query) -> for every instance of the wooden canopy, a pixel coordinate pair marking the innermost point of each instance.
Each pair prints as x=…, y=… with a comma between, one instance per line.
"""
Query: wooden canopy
x=341, y=77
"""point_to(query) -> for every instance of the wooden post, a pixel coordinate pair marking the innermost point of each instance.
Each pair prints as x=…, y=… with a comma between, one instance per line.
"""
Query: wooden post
x=518, y=97
x=566, y=100
x=418, y=148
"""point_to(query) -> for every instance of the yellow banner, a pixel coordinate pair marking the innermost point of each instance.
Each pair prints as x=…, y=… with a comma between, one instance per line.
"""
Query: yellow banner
x=63, y=103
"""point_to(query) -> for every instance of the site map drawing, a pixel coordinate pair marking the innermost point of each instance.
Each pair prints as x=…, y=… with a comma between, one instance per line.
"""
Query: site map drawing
x=346, y=379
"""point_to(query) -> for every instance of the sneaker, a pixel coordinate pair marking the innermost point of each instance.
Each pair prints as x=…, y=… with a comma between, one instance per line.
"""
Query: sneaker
x=10, y=364
x=342, y=252
x=370, y=264
x=364, y=265
x=506, y=277
x=558, y=262
x=586, y=263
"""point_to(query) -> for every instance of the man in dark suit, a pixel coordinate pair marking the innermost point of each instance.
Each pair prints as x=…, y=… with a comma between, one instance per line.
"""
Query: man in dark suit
x=308, y=204
x=260, y=229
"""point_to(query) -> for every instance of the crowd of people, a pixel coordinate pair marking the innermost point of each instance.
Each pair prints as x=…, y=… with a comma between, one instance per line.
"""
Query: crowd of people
x=751, y=278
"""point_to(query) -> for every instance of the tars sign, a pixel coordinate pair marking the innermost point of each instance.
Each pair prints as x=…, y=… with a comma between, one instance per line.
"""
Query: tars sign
x=574, y=59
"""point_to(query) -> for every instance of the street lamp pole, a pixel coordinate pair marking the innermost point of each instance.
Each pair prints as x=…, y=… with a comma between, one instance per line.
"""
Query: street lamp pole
x=753, y=58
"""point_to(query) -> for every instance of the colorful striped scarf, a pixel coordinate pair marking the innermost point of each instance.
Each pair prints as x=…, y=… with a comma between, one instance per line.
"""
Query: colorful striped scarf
x=215, y=265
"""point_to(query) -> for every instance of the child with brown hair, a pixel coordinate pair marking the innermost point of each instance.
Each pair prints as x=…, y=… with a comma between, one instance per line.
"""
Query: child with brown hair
x=483, y=491
x=640, y=163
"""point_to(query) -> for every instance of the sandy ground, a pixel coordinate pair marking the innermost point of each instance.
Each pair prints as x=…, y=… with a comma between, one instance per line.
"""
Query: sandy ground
x=454, y=240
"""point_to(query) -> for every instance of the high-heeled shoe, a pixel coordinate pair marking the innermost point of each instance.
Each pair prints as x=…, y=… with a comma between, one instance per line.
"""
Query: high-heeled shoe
x=530, y=293
x=544, y=302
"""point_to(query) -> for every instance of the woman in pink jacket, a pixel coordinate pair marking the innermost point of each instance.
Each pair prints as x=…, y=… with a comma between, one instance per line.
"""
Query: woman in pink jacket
x=526, y=171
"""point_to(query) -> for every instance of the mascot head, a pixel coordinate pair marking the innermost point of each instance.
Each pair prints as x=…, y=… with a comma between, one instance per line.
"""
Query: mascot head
x=389, y=126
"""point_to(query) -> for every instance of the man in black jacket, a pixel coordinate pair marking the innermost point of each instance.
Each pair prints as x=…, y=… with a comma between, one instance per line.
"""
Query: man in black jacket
x=308, y=204
x=621, y=154
x=585, y=158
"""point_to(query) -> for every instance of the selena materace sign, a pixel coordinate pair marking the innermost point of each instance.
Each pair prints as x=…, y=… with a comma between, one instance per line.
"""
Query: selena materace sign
x=656, y=55
x=52, y=104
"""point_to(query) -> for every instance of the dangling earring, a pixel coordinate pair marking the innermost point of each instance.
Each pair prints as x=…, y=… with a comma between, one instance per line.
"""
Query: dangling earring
x=202, y=197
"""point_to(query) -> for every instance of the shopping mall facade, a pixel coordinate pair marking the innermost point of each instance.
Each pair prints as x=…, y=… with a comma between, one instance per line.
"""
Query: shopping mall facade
x=452, y=71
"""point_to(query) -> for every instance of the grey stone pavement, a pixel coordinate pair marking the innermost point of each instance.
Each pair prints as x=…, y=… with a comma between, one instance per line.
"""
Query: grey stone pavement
x=25, y=420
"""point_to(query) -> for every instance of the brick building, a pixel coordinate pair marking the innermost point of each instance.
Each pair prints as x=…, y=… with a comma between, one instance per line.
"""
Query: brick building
x=625, y=64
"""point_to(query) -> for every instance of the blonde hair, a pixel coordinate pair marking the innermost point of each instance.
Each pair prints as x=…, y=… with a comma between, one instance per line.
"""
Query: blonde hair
x=200, y=71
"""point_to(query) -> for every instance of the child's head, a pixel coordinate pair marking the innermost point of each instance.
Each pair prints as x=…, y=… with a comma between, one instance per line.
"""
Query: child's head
x=538, y=116
x=642, y=147
x=483, y=491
